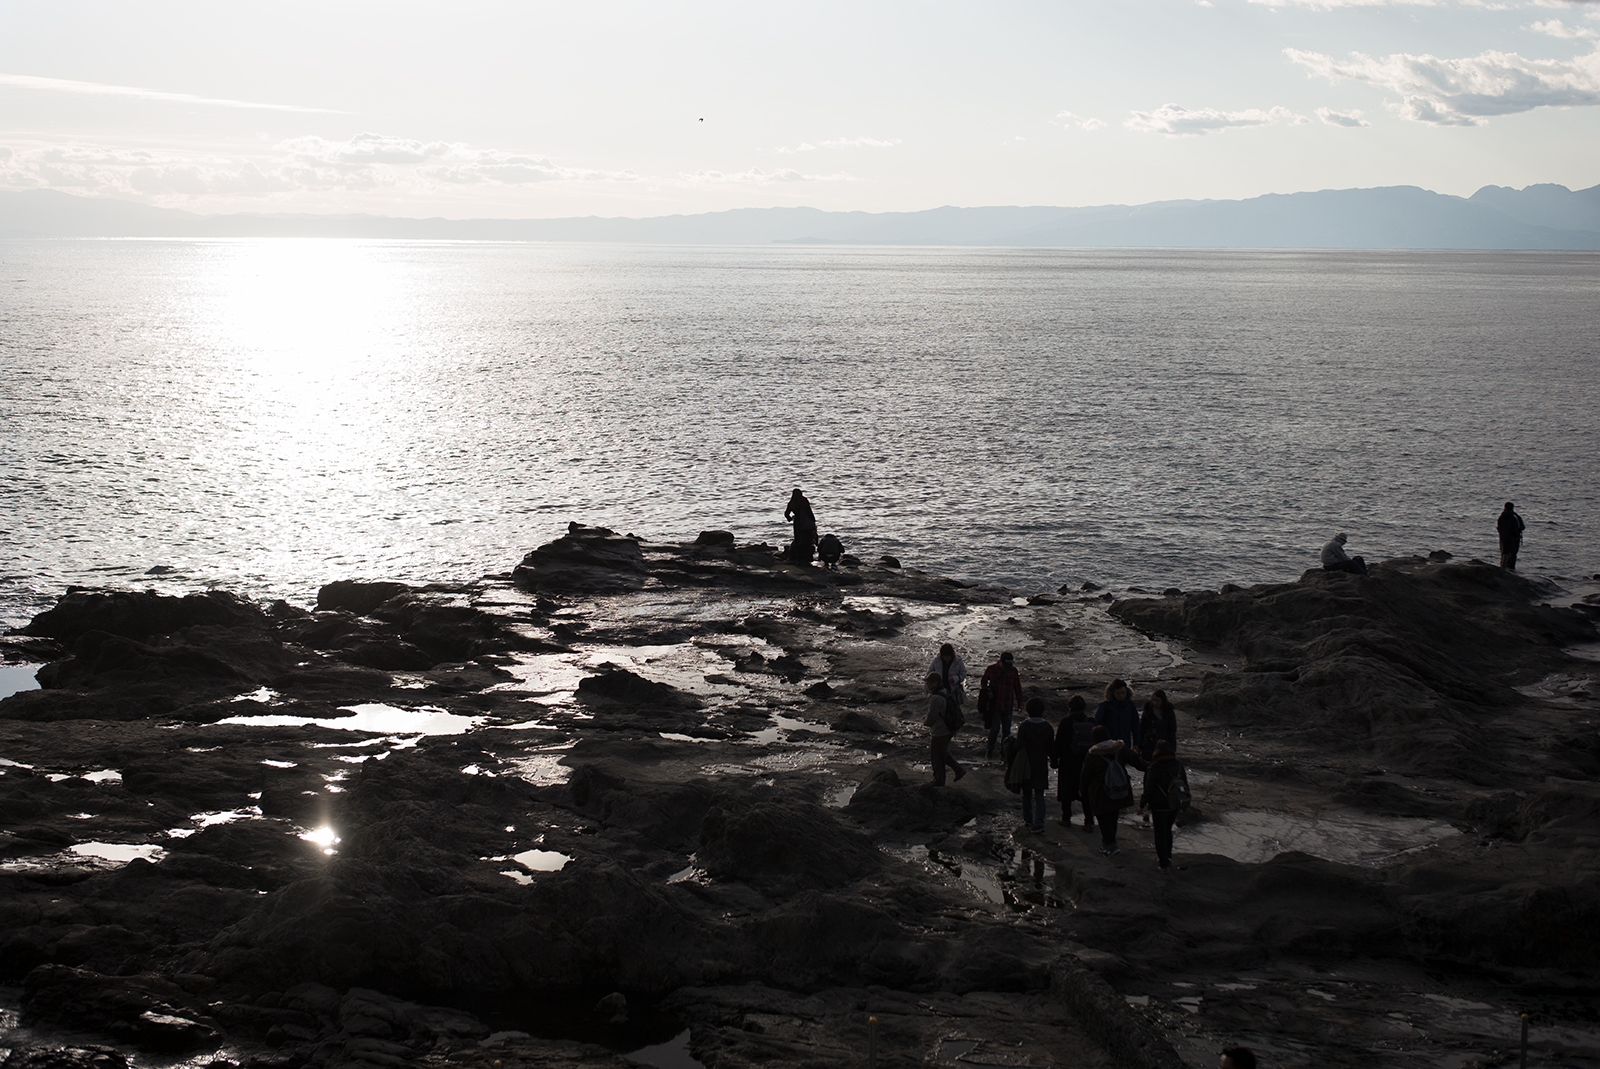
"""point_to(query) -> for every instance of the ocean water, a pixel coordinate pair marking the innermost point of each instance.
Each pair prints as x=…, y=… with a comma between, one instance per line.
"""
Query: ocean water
x=268, y=416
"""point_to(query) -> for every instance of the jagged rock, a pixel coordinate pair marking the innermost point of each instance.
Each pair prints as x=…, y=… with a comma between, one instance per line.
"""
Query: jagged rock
x=617, y=684
x=714, y=538
x=146, y=1011
x=589, y=560
x=884, y=803
x=65, y=1058
x=889, y=561
x=783, y=846
x=140, y=616
x=354, y=596
x=859, y=723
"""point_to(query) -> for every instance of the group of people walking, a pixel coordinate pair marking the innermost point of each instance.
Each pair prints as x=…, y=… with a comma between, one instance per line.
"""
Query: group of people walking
x=1091, y=754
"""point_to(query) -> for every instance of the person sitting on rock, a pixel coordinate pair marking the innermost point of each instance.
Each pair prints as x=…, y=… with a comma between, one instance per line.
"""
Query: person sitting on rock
x=1072, y=746
x=1158, y=721
x=1097, y=789
x=939, y=729
x=805, y=528
x=829, y=550
x=1118, y=715
x=1335, y=559
x=952, y=673
x=1510, y=528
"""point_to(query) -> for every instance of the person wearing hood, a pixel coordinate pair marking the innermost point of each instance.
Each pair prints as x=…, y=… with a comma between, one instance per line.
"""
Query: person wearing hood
x=1335, y=559
x=1036, y=739
x=1097, y=778
x=952, y=672
x=1118, y=715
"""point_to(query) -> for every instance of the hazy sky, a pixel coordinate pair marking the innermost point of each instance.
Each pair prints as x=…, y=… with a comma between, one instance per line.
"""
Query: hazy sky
x=532, y=109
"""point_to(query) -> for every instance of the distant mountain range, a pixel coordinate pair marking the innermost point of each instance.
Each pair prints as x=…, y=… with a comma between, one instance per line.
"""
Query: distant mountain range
x=1390, y=217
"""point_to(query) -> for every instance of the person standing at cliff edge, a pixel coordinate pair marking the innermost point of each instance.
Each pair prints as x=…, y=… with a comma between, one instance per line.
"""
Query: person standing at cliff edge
x=805, y=527
x=1510, y=526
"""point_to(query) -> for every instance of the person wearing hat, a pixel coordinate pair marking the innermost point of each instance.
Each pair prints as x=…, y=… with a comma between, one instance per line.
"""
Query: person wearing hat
x=1335, y=559
x=1001, y=693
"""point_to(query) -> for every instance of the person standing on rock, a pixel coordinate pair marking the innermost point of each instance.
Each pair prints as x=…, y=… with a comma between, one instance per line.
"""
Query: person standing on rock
x=938, y=722
x=1072, y=746
x=805, y=527
x=1158, y=721
x=952, y=673
x=1002, y=688
x=1158, y=797
x=1335, y=559
x=1106, y=786
x=1118, y=715
x=1037, y=740
x=1510, y=527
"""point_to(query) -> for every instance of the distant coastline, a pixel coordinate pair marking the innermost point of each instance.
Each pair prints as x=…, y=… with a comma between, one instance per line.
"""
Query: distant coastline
x=1538, y=217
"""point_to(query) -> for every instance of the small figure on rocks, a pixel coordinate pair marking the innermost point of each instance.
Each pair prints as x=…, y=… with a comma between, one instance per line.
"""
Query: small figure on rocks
x=938, y=722
x=1118, y=714
x=829, y=550
x=1335, y=559
x=1037, y=740
x=805, y=528
x=999, y=694
x=1158, y=721
x=952, y=673
x=1072, y=746
x=1165, y=795
x=1107, y=788
x=1510, y=527
x=1237, y=1058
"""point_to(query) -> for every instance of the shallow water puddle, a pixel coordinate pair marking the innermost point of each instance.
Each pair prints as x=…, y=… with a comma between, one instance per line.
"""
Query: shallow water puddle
x=374, y=717
x=16, y=678
x=533, y=861
x=782, y=725
x=121, y=853
x=207, y=820
x=673, y=1054
x=261, y=695
x=1349, y=837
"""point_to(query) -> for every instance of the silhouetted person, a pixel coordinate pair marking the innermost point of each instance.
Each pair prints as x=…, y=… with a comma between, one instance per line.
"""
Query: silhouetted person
x=1335, y=559
x=1072, y=746
x=1510, y=526
x=829, y=550
x=1158, y=721
x=1118, y=715
x=938, y=721
x=1036, y=738
x=1003, y=687
x=805, y=527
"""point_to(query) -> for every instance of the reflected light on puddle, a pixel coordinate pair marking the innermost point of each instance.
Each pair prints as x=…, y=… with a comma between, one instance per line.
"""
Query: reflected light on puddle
x=374, y=717
x=118, y=852
x=324, y=837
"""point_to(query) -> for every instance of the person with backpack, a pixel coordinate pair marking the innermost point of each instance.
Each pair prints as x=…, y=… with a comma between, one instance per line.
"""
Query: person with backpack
x=1036, y=739
x=1166, y=794
x=1158, y=721
x=1106, y=786
x=1072, y=745
x=1118, y=714
x=943, y=719
x=999, y=694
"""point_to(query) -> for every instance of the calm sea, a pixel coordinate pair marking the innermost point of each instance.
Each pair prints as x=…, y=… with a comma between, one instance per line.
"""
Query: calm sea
x=271, y=415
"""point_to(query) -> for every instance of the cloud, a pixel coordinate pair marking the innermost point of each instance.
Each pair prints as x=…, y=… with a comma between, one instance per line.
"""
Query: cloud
x=299, y=165
x=1341, y=118
x=755, y=176
x=1464, y=92
x=1557, y=28
x=62, y=85
x=1068, y=119
x=1174, y=121
x=841, y=142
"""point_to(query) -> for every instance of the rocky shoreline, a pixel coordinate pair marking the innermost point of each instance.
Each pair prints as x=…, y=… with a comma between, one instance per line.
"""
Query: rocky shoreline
x=639, y=803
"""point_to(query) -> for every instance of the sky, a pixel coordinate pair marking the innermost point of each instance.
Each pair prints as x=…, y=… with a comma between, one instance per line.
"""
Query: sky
x=536, y=110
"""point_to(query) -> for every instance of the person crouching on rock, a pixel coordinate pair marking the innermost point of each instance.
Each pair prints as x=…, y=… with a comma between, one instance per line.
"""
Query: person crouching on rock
x=1072, y=746
x=1118, y=715
x=1107, y=788
x=939, y=700
x=1035, y=738
x=829, y=550
x=1335, y=559
x=1160, y=799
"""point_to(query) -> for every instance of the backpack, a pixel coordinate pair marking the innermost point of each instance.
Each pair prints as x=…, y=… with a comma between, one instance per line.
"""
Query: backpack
x=1118, y=788
x=1019, y=772
x=1178, y=797
x=1082, y=736
x=954, y=719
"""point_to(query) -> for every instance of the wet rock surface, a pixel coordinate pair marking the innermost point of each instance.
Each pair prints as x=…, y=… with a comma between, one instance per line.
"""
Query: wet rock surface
x=673, y=801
